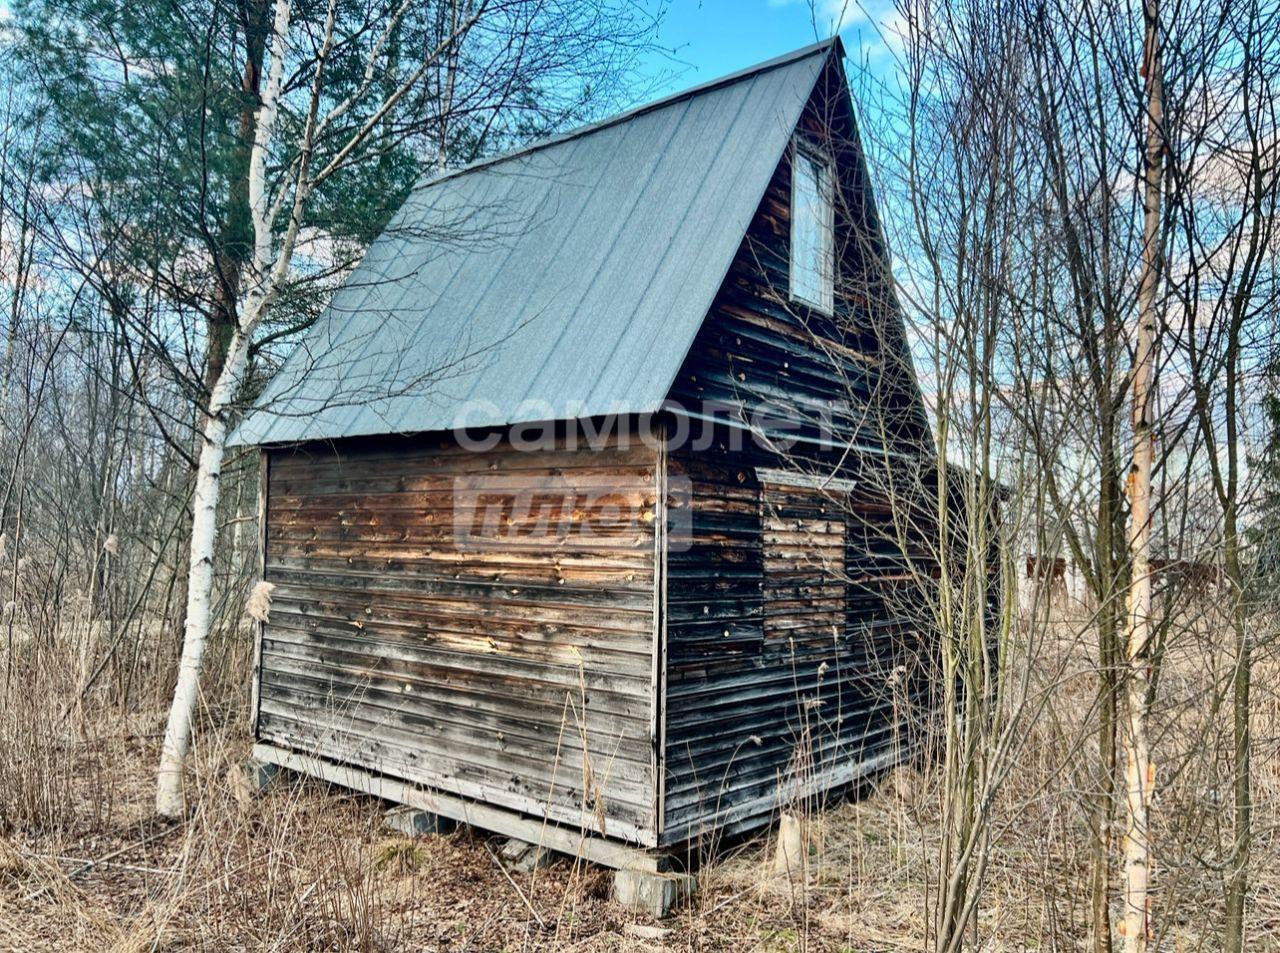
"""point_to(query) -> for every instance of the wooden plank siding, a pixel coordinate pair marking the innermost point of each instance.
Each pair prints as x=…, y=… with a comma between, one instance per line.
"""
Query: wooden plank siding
x=518, y=673
x=805, y=589
x=794, y=655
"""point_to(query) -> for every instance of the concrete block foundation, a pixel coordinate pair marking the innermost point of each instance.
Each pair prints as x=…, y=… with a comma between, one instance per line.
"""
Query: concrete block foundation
x=656, y=894
x=412, y=822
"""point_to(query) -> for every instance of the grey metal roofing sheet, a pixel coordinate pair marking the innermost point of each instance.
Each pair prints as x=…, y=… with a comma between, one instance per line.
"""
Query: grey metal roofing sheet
x=565, y=280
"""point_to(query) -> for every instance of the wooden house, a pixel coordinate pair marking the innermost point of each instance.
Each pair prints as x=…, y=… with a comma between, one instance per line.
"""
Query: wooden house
x=564, y=497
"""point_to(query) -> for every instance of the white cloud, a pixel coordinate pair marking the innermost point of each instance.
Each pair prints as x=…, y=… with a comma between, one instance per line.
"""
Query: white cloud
x=873, y=30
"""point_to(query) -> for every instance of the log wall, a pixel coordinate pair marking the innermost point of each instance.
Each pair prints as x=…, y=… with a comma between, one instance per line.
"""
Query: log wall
x=513, y=667
x=795, y=656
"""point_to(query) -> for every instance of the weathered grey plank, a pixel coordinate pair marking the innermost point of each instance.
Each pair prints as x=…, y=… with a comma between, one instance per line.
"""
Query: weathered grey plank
x=491, y=672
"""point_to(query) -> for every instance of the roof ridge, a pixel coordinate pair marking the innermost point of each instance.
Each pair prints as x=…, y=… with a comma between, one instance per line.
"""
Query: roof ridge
x=822, y=46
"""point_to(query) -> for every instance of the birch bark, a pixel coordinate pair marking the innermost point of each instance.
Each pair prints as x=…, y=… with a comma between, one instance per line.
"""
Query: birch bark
x=170, y=800
x=1138, y=764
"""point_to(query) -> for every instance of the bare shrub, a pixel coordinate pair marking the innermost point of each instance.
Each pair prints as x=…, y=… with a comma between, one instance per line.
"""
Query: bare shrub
x=53, y=756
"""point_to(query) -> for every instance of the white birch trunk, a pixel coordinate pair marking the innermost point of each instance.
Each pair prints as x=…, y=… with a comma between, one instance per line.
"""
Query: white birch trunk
x=270, y=268
x=267, y=277
x=204, y=534
x=1138, y=764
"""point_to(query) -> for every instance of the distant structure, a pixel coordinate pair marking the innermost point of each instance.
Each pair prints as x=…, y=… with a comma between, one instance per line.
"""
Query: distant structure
x=1053, y=578
x=645, y=596
x=1056, y=582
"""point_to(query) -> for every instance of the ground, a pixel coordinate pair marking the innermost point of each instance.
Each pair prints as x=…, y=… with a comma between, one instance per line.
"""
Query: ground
x=84, y=865
x=306, y=867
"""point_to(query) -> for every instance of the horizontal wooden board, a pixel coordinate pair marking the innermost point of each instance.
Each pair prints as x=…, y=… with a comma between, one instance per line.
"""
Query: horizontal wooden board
x=575, y=841
x=503, y=661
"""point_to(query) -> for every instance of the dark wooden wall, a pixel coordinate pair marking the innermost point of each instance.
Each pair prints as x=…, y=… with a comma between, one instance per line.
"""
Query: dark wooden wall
x=479, y=671
x=846, y=377
x=794, y=651
x=795, y=658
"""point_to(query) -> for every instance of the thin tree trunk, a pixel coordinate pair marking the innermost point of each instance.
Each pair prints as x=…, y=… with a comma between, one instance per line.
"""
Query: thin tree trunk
x=235, y=244
x=1138, y=764
x=204, y=520
x=447, y=92
x=204, y=532
x=1110, y=535
x=1241, y=683
x=1104, y=805
x=1242, y=675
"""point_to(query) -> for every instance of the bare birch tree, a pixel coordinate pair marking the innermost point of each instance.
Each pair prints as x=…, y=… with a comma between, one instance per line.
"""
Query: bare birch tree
x=1139, y=766
x=1224, y=163
x=1070, y=382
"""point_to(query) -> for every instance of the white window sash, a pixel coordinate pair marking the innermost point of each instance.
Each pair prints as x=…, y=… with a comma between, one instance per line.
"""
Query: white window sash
x=800, y=274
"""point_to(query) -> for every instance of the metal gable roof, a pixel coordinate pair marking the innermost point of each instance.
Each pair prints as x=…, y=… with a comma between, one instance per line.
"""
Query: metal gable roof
x=565, y=280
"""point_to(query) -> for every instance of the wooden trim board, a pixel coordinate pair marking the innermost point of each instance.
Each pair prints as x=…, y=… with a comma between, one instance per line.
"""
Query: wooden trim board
x=255, y=685
x=658, y=722
x=575, y=843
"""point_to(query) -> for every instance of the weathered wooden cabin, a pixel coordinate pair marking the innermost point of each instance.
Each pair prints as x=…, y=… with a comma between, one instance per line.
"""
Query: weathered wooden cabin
x=565, y=498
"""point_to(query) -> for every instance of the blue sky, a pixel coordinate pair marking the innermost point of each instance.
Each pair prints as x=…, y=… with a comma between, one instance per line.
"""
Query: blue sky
x=713, y=37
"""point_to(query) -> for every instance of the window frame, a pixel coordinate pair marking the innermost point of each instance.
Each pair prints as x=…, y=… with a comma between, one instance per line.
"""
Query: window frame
x=808, y=151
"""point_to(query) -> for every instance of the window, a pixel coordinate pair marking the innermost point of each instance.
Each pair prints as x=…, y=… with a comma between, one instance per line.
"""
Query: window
x=812, y=230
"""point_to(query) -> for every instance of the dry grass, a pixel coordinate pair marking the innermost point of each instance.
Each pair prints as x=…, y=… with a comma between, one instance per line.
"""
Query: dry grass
x=84, y=867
